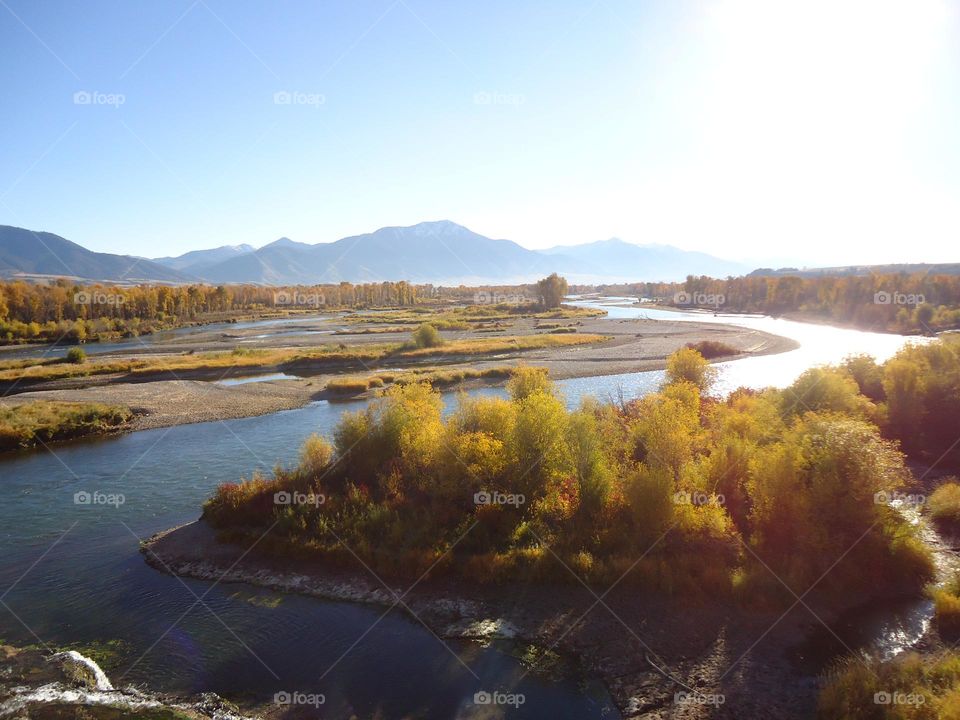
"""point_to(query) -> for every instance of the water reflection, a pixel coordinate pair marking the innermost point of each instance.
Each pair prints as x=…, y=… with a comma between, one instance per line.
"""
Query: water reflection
x=819, y=344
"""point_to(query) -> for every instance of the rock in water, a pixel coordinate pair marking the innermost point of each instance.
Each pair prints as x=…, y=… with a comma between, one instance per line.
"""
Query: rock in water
x=83, y=671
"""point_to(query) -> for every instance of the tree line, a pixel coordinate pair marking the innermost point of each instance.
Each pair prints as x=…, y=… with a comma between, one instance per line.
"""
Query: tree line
x=909, y=303
x=76, y=313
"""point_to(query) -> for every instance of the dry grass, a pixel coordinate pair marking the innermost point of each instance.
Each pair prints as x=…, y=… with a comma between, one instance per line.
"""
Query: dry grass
x=280, y=358
x=460, y=318
x=909, y=687
x=30, y=424
x=944, y=505
x=482, y=346
x=375, y=330
x=437, y=377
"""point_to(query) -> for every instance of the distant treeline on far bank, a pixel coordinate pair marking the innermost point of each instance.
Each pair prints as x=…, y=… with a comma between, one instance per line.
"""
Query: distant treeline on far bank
x=894, y=302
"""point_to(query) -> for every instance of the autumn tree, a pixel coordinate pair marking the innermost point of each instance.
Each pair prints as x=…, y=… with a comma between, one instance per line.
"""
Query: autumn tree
x=551, y=290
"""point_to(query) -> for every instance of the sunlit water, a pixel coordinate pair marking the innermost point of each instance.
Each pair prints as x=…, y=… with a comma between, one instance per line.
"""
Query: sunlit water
x=72, y=573
x=819, y=344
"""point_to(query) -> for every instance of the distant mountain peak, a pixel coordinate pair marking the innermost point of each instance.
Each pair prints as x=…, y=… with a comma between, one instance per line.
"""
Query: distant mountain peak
x=284, y=242
x=434, y=227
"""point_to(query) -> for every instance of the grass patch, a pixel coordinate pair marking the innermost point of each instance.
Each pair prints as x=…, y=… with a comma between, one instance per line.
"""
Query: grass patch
x=350, y=385
x=944, y=505
x=374, y=331
x=460, y=318
x=909, y=687
x=435, y=377
x=29, y=424
x=946, y=601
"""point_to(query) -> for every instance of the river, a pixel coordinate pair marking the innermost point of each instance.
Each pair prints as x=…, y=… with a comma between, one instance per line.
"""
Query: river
x=72, y=573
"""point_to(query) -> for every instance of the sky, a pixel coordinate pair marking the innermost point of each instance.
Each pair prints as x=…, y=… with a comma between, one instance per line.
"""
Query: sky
x=818, y=132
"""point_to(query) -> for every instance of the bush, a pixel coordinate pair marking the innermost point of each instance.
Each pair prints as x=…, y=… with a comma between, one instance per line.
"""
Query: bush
x=76, y=356
x=711, y=349
x=947, y=612
x=688, y=365
x=944, y=505
x=427, y=336
x=30, y=424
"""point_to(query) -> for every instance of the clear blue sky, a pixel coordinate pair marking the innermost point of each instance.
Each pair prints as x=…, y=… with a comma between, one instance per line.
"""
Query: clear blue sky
x=817, y=131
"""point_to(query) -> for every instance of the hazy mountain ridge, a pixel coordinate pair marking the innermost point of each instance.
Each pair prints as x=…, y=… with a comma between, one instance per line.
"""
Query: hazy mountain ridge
x=440, y=252
x=610, y=257
x=43, y=253
x=443, y=252
x=189, y=262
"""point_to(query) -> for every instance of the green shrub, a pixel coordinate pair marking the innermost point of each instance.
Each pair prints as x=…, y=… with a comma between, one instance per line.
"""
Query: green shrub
x=427, y=336
x=76, y=356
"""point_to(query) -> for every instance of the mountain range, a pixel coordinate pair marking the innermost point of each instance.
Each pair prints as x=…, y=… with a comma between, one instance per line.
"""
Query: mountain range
x=440, y=252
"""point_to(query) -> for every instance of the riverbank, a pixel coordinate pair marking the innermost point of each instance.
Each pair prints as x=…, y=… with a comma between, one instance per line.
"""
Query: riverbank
x=183, y=396
x=658, y=657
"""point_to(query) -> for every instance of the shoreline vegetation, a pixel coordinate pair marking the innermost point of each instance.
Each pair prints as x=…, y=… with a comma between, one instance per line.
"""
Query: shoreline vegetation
x=745, y=501
x=912, y=304
x=27, y=425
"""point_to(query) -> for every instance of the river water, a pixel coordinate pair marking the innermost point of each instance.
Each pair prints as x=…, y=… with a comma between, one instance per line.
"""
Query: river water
x=72, y=573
